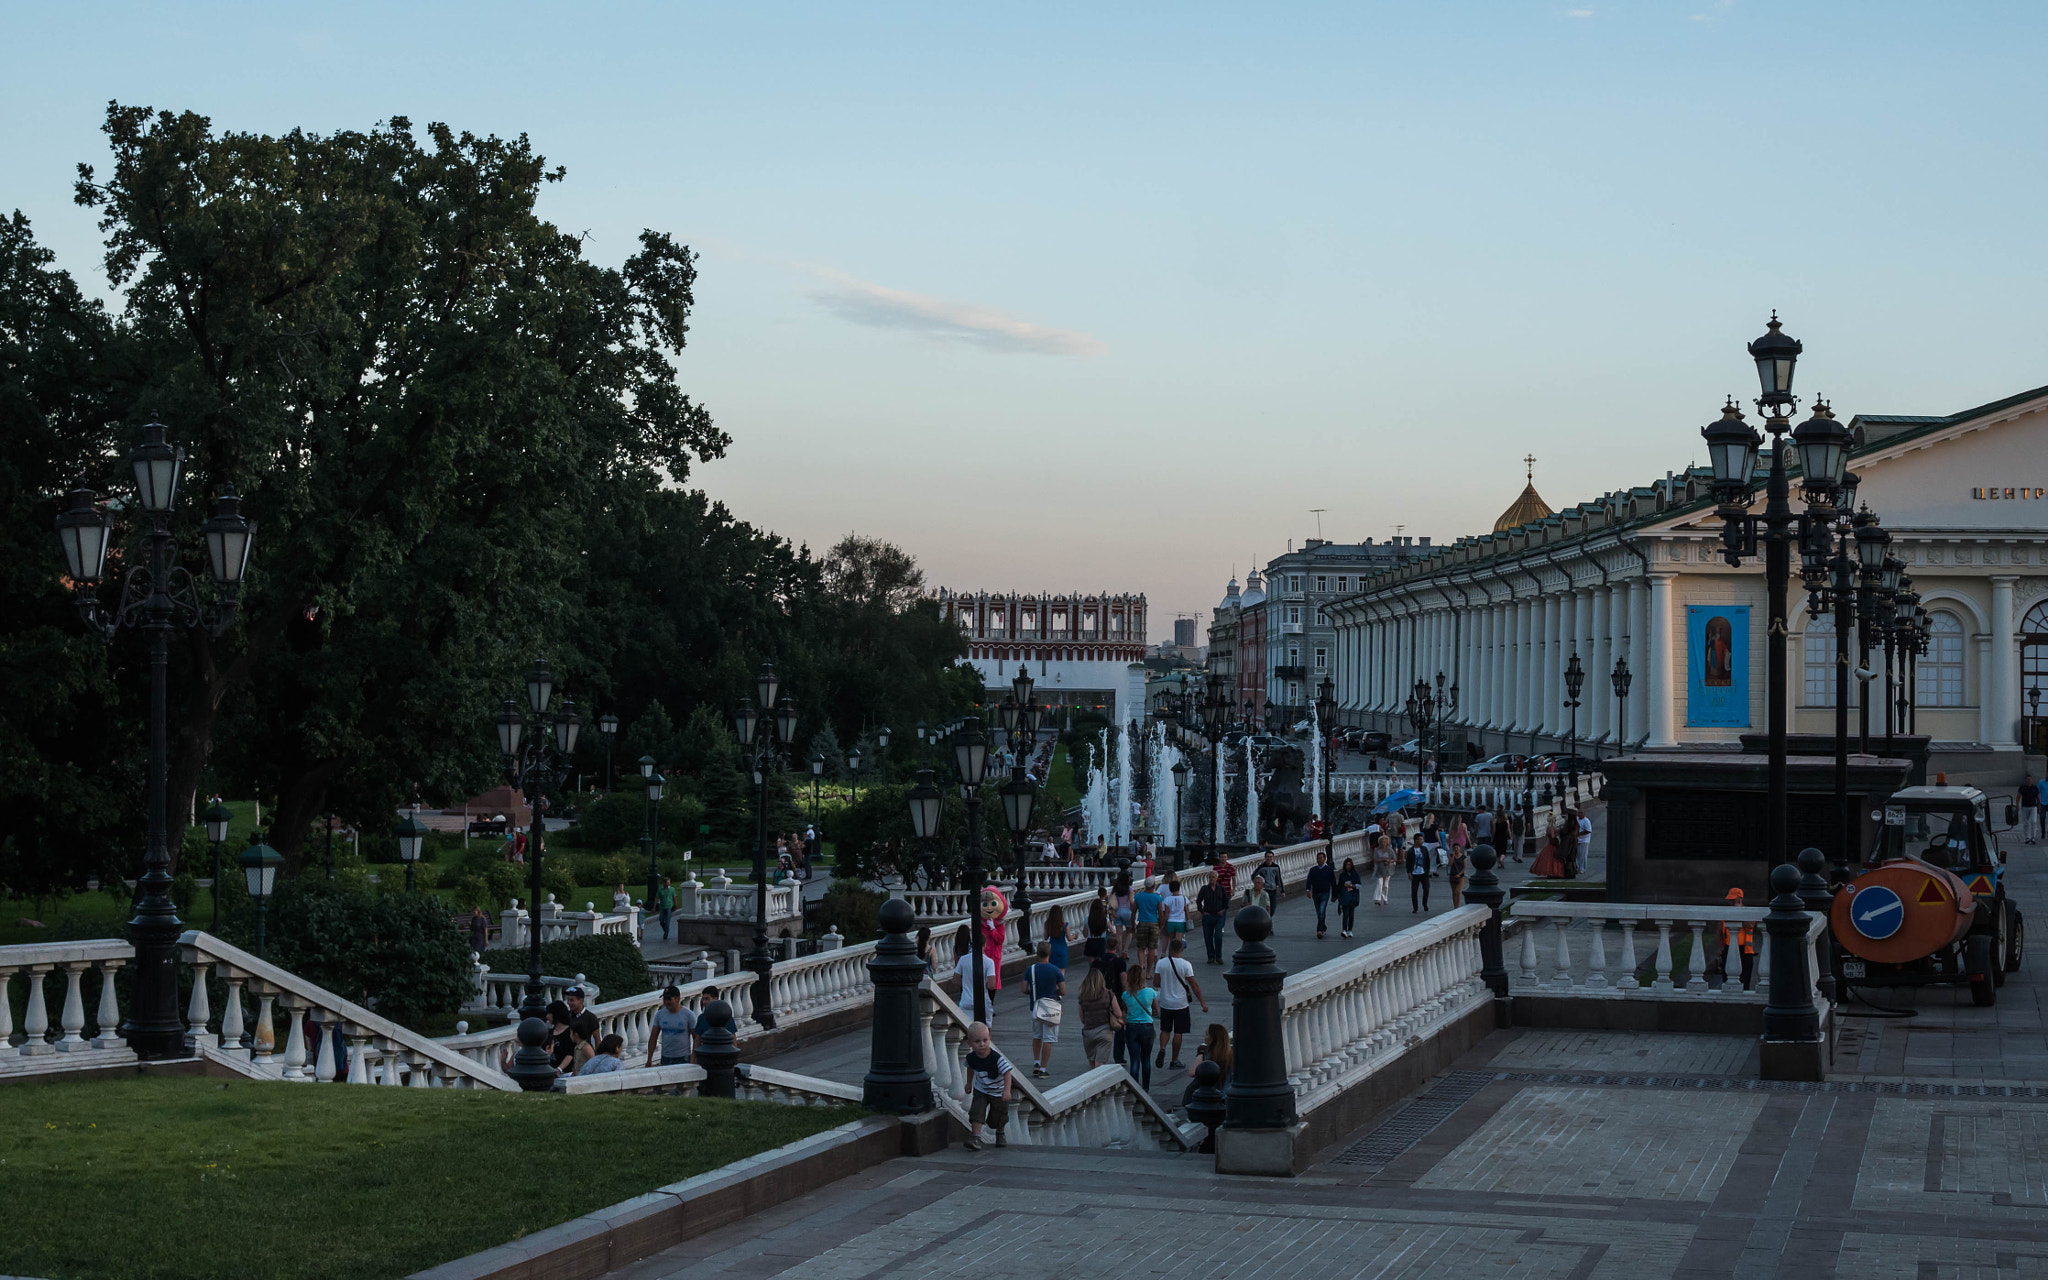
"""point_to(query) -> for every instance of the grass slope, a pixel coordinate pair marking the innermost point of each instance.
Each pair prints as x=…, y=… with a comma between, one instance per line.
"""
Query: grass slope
x=178, y=1177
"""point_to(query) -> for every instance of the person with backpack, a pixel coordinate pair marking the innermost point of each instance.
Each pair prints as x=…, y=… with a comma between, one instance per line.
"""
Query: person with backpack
x=1420, y=858
x=1047, y=984
x=1454, y=872
x=1212, y=901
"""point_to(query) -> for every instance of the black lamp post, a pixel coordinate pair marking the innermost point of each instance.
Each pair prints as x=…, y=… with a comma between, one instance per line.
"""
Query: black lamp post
x=651, y=837
x=159, y=597
x=412, y=834
x=1904, y=600
x=853, y=769
x=259, y=871
x=1574, y=681
x=1828, y=565
x=2033, y=707
x=817, y=772
x=1621, y=678
x=608, y=725
x=1823, y=445
x=1020, y=714
x=1216, y=716
x=217, y=817
x=1422, y=715
x=970, y=757
x=882, y=747
x=535, y=745
x=765, y=735
x=925, y=803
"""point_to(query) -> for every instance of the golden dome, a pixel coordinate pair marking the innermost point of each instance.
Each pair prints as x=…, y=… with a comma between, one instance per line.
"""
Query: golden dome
x=1529, y=507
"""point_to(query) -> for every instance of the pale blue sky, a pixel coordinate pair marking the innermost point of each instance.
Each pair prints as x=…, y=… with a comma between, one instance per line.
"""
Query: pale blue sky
x=1098, y=297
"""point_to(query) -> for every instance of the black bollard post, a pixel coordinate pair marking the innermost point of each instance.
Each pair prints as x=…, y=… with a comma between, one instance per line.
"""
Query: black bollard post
x=1792, y=1047
x=1259, y=1122
x=1205, y=1105
x=530, y=1068
x=897, y=1081
x=717, y=1053
x=1485, y=890
x=1814, y=892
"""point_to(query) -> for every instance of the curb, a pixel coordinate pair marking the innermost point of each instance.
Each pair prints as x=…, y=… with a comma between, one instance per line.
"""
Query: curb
x=606, y=1239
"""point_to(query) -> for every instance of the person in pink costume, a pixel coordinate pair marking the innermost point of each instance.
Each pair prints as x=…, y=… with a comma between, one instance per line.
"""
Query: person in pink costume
x=994, y=907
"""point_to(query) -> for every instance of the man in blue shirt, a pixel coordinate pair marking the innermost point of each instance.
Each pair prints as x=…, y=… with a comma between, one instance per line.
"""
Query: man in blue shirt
x=674, y=1025
x=1047, y=985
x=1146, y=903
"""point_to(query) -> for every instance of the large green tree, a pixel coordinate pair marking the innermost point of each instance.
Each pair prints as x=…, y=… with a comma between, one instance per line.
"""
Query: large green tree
x=422, y=389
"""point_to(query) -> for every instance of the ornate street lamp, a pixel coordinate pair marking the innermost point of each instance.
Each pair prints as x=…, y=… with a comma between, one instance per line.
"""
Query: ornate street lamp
x=1621, y=678
x=817, y=773
x=259, y=871
x=412, y=834
x=970, y=759
x=925, y=805
x=1574, y=681
x=158, y=597
x=537, y=747
x=1020, y=733
x=765, y=731
x=650, y=833
x=217, y=817
x=608, y=725
x=1326, y=719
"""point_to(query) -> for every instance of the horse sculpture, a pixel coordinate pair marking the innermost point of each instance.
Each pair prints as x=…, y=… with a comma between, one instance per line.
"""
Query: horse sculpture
x=1284, y=804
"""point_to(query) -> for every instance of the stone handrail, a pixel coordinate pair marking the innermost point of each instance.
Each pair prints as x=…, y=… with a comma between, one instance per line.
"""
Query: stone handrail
x=64, y=1046
x=1466, y=791
x=1102, y=1107
x=1550, y=960
x=1346, y=1018
x=766, y=1084
x=558, y=925
x=379, y=1050
x=686, y=1076
x=505, y=992
x=1060, y=878
x=722, y=900
x=631, y=1017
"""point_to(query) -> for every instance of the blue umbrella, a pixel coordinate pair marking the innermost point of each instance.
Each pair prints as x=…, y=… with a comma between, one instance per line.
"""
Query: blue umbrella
x=1399, y=800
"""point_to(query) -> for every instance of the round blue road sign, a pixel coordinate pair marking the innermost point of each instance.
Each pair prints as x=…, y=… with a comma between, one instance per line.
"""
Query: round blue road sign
x=1877, y=912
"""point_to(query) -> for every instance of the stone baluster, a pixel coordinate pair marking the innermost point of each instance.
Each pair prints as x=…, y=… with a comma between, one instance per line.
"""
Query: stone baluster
x=361, y=1051
x=1529, y=961
x=265, y=1049
x=294, y=1037
x=1628, y=956
x=1664, y=972
x=72, y=1020
x=1561, y=925
x=1597, y=955
x=35, y=1018
x=198, y=1013
x=7, y=1009
x=107, y=1018
x=231, y=1027
x=1696, y=964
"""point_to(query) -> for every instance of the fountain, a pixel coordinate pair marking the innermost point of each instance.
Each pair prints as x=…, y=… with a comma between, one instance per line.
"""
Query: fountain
x=1251, y=794
x=1120, y=827
x=1222, y=832
x=1315, y=729
x=1095, y=801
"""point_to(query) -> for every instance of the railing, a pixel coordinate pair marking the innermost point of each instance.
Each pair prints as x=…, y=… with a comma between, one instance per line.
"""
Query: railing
x=1348, y=1017
x=684, y=1077
x=630, y=1017
x=719, y=900
x=1468, y=792
x=1601, y=949
x=42, y=1047
x=379, y=1051
x=505, y=992
x=557, y=925
x=1064, y=879
x=766, y=1084
x=1099, y=1108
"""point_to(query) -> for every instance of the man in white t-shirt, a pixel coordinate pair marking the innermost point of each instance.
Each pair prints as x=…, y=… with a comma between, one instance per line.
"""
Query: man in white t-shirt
x=1585, y=826
x=1176, y=983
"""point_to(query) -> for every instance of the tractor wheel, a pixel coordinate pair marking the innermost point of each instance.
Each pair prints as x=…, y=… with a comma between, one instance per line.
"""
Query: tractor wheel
x=2001, y=921
x=1980, y=963
x=2015, y=937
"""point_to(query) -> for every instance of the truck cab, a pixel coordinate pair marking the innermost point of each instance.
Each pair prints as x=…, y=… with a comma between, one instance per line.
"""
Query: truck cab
x=1946, y=827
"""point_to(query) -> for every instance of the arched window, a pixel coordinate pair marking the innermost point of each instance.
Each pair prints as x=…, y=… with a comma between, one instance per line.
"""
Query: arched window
x=1941, y=671
x=2034, y=675
x=1820, y=660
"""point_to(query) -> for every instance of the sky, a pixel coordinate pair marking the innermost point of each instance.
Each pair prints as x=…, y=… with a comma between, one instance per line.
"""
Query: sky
x=1112, y=297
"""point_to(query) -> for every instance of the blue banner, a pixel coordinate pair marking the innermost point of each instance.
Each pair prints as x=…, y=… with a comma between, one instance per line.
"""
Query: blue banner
x=1717, y=665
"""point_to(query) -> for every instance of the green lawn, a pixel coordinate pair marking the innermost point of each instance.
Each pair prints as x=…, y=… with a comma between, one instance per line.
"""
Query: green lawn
x=237, y=1180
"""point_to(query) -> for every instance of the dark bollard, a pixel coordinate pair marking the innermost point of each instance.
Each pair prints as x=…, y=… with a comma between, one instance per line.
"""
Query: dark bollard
x=897, y=1081
x=1259, y=1121
x=1814, y=892
x=717, y=1053
x=530, y=1068
x=1484, y=889
x=1205, y=1104
x=1792, y=1047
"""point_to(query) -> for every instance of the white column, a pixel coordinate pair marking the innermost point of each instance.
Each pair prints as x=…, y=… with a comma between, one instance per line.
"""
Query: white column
x=1483, y=683
x=1503, y=662
x=1660, y=659
x=1525, y=631
x=1599, y=718
x=1552, y=658
x=1638, y=658
x=1589, y=661
x=2002, y=679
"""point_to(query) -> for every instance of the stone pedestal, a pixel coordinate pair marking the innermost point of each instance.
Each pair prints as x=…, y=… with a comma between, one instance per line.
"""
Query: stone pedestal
x=1266, y=1152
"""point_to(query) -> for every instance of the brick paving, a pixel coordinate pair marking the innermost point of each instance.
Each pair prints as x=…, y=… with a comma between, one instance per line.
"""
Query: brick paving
x=1539, y=1153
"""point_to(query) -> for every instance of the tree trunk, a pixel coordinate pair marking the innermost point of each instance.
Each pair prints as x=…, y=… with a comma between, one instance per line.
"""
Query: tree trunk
x=303, y=800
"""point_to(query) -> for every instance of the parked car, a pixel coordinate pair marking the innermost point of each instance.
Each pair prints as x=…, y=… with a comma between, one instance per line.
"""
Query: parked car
x=1506, y=762
x=1370, y=740
x=1562, y=763
x=1408, y=750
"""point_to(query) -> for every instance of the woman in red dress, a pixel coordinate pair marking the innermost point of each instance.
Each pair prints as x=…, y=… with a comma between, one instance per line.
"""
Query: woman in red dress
x=1549, y=863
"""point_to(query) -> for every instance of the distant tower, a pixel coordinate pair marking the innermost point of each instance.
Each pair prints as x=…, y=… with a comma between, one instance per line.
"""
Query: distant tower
x=1184, y=633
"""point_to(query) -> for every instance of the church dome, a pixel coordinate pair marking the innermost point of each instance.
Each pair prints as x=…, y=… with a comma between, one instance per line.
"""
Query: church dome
x=1230, y=600
x=1254, y=591
x=1527, y=508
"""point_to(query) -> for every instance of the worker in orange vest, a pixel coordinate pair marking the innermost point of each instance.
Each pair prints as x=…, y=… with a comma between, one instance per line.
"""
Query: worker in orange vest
x=1744, y=936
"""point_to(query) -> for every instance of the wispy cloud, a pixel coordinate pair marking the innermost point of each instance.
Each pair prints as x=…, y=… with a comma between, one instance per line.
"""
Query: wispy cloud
x=944, y=321
x=1578, y=13
x=1715, y=11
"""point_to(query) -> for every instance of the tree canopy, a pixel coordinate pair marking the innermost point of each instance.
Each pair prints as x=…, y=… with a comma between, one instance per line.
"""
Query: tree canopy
x=465, y=444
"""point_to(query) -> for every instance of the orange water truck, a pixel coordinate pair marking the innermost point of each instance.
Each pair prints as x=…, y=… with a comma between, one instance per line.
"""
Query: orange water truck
x=1929, y=906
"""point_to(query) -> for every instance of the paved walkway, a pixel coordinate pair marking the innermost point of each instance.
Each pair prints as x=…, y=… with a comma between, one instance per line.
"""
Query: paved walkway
x=1541, y=1153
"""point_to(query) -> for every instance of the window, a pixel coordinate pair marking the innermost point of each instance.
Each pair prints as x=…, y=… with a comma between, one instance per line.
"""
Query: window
x=1322, y=618
x=1941, y=671
x=1322, y=658
x=1293, y=691
x=1293, y=655
x=1322, y=582
x=1294, y=582
x=1820, y=660
x=1294, y=613
x=1343, y=582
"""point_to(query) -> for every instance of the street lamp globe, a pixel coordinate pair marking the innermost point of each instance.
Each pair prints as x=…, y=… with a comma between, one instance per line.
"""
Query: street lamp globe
x=568, y=725
x=745, y=719
x=1891, y=571
x=1823, y=444
x=510, y=726
x=411, y=833
x=882, y=736
x=217, y=817
x=656, y=784
x=646, y=764
x=1621, y=677
x=1732, y=446
x=608, y=725
x=540, y=686
x=82, y=529
x=1574, y=678
x=1020, y=795
x=259, y=869
x=228, y=537
x=970, y=753
x=1871, y=540
x=817, y=765
x=925, y=802
x=1021, y=686
x=785, y=721
x=766, y=684
x=1775, y=355
x=156, y=464
x=853, y=760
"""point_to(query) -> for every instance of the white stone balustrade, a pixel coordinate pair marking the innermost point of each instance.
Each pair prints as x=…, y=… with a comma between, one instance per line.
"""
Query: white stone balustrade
x=721, y=899
x=1466, y=791
x=55, y=973
x=505, y=992
x=1600, y=949
x=379, y=1051
x=557, y=925
x=631, y=1017
x=1060, y=878
x=1348, y=1017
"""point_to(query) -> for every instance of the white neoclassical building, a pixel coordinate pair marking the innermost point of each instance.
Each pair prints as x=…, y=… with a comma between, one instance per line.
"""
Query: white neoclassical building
x=1638, y=574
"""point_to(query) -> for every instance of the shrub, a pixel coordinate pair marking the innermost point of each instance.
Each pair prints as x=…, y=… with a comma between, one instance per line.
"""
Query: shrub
x=614, y=963
x=393, y=951
x=854, y=911
x=617, y=821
